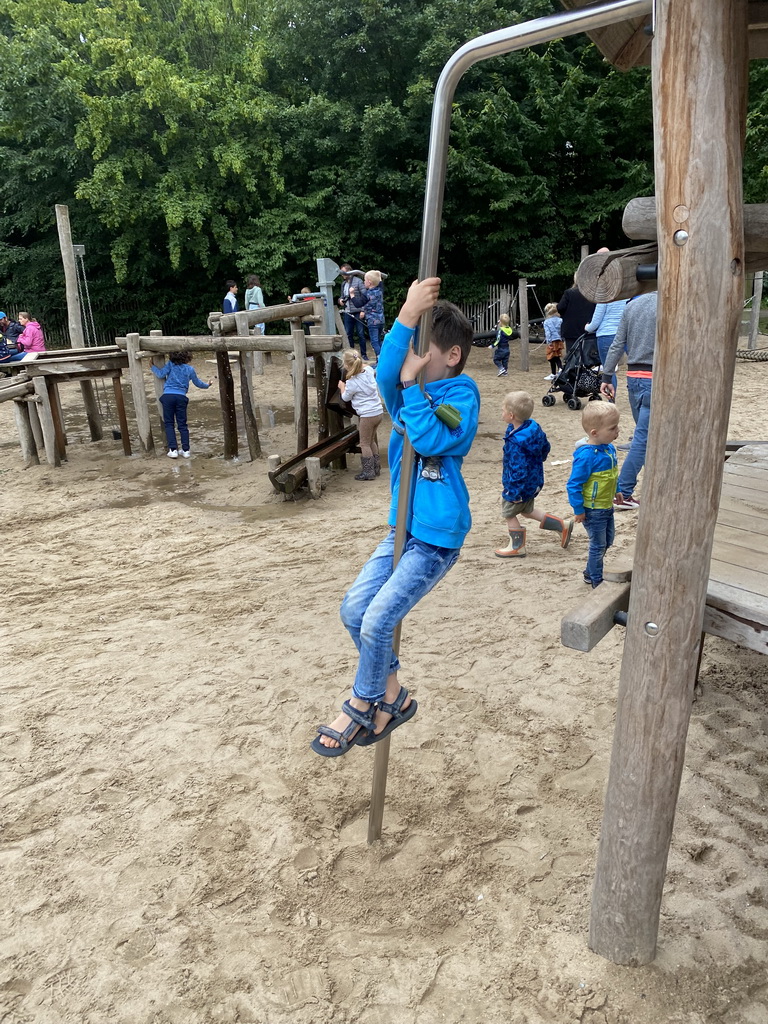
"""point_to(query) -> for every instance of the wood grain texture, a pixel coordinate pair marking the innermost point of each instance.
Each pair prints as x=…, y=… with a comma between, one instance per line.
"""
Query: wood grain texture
x=699, y=85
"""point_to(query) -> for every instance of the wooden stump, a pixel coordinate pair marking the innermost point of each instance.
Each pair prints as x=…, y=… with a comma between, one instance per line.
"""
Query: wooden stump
x=122, y=419
x=26, y=437
x=300, y=399
x=46, y=422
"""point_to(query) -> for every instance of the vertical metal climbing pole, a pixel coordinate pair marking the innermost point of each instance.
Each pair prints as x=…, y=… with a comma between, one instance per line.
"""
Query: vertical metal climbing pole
x=493, y=44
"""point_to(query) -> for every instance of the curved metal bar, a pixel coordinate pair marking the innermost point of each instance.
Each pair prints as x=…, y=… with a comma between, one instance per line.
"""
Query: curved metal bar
x=493, y=44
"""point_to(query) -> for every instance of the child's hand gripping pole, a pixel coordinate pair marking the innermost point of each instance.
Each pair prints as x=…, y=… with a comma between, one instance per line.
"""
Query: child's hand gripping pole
x=416, y=312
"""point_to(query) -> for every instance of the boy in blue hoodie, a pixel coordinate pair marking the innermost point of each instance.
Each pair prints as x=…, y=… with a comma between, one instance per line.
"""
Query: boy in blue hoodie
x=525, y=451
x=592, y=483
x=438, y=519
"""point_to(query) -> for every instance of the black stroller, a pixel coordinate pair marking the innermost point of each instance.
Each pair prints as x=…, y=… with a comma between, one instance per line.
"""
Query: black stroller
x=580, y=375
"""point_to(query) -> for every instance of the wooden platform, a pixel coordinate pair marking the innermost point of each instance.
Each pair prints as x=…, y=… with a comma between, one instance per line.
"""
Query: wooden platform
x=737, y=594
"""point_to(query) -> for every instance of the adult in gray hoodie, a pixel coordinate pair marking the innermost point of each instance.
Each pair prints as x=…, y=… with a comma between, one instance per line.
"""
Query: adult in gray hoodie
x=637, y=331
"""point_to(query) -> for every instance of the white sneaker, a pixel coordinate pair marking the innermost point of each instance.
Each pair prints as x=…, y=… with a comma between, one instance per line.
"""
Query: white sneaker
x=187, y=454
x=172, y=453
x=550, y=376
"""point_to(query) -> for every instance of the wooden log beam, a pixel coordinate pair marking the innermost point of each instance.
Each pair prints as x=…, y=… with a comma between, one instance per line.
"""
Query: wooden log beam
x=588, y=623
x=7, y=394
x=639, y=222
x=58, y=417
x=607, y=276
x=224, y=323
x=140, y=403
x=32, y=403
x=74, y=313
x=321, y=386
x=252, y=343
x=699, y=94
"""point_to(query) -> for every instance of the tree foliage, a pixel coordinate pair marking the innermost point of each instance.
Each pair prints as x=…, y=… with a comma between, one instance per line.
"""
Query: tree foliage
x=196, y=140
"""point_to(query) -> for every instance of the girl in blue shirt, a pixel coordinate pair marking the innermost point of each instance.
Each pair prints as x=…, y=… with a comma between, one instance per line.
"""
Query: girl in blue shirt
x=177, y=374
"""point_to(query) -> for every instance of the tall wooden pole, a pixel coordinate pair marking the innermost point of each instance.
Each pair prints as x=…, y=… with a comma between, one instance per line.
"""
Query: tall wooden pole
x=699, y=92
x=524, y=326
x=74, y=313
x=757, y=301
x=75, y=318
x=140, y=404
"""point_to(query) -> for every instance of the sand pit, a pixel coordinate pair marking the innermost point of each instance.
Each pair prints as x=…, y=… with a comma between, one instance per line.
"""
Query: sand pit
x=173, y=853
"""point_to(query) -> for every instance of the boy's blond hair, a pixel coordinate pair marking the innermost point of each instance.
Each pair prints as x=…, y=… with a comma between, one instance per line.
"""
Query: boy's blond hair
x=598, y=414
x=353, y=363
x=550, y=310
x=504, y=319
x=519, y=404
x=373, y=275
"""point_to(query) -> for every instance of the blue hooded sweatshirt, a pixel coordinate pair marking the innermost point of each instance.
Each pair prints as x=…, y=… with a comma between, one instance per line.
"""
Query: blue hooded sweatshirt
x=525, y=452
x=439, y=509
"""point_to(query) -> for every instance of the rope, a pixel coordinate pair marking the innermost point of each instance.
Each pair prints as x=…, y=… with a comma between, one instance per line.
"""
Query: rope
x=754, y=355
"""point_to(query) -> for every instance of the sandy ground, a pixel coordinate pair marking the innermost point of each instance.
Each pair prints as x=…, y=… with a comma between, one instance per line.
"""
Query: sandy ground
x=171, y=850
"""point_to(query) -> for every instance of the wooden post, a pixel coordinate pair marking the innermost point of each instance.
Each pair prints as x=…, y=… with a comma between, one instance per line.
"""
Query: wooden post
x=339, y=319
x=74, y=313
x=757, y=299
x=300, y=398
x=228, y=413
x=524, y=327
x=92, y=415
x=321, y=386
x=34, y=422
x=122, y=419
x=159, y=361
x=57, y=416
x=140, y=404
x=245, y=363
x=314, y=477
x=26, y=437
x=584, y=251
x=699, y=91
x=46, y=422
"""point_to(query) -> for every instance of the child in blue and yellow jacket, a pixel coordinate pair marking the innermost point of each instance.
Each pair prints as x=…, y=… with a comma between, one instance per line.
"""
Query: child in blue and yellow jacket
x=441, y=422
x=592, y=484
x=522, y=477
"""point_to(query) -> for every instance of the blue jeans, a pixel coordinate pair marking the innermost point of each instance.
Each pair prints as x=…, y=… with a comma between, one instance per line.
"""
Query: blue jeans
x=175, y=407
x=14, y=357
x=380, y=597
x=353, y=325
x=601, y=530
x=603, y=344
x=375, y=332
x=639, y=390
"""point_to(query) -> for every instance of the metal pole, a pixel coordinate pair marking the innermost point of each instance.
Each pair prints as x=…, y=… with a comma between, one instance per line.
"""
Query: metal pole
x=493, y=44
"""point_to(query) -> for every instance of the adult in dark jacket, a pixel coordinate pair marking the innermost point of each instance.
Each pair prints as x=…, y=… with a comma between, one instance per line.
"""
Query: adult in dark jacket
x=576, y=312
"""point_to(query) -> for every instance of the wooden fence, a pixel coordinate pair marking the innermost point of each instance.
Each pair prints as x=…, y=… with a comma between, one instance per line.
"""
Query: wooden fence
x=485, y=315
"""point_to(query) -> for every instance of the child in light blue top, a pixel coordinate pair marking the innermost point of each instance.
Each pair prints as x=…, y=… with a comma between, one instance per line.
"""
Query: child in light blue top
x=178, y=374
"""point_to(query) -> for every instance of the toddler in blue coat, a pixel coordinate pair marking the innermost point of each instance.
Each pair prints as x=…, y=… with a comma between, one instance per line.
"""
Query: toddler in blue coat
x=525, y=451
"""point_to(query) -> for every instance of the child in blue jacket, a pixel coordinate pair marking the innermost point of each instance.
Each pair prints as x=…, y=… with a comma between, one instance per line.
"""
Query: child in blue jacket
x=525, y=451
x=592, y=484
x=438, y=520
x=178, y=374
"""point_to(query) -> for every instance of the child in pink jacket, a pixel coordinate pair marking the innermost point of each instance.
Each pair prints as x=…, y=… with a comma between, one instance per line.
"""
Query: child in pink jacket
x=31, y=338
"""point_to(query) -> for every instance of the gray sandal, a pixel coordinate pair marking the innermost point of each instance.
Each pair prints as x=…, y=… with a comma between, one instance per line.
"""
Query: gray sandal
x=360, y=726
x=399, y=717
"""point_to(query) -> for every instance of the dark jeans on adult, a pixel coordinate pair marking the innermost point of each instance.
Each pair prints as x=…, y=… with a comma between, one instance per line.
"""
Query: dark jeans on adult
x=604, y=342
x=175, y=408
x=601, y=530
x=569, y=343
x=639, y=390
x=376, y=334
x=353, y=325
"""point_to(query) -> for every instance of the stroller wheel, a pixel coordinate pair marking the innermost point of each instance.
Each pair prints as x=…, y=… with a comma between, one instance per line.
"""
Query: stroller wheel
x=548, y=400
x=574, y=403
x=565, y=397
